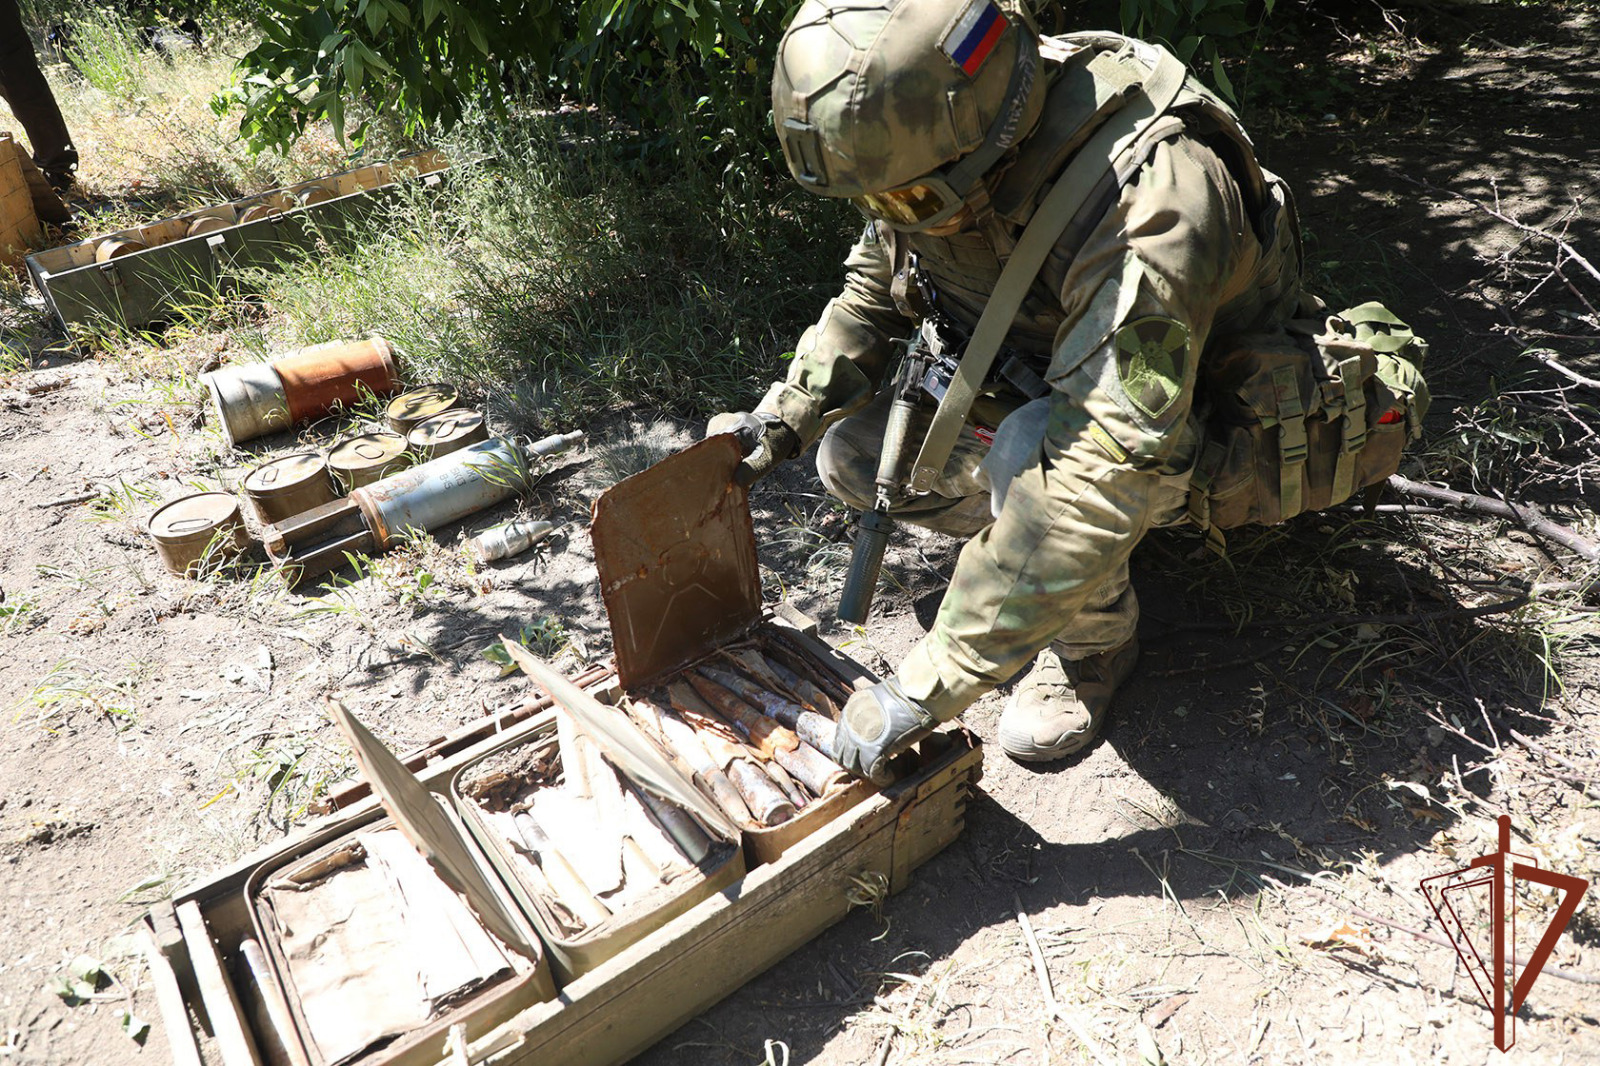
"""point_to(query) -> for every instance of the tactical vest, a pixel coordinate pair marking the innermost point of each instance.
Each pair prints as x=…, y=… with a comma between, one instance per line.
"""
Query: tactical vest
x=1089, y=77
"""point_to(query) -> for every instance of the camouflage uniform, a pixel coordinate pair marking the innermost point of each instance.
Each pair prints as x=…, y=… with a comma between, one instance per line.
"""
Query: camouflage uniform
x=1195, y=242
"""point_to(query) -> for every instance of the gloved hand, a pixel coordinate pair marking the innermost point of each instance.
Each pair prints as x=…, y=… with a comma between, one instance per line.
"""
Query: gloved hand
x=878, y=723
x=766, y=439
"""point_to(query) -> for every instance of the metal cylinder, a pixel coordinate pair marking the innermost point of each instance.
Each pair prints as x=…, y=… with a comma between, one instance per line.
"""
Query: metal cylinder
x=294, y=484
x=367, y=457
x=306, y=195
x=442, y=491
x=115, y=248
x=511, y=538
x=185, y=529
x=443, y=434
x=248, y=400
x=317, y=378
x=207, y=224
x=422, y=402
x=866, y=560
x=555, y=444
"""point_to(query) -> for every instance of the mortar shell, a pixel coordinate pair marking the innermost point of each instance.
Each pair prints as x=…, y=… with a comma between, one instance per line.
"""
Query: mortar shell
x=443, y=490
x=248, y=400
x=186, y=527
x=289, y=486
x=416, y=405
x=443, y=434
x=368, y=457
x=317, y=378
x=512, y=538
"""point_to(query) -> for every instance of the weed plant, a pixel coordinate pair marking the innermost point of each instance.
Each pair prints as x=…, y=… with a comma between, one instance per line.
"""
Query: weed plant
x=560, y=275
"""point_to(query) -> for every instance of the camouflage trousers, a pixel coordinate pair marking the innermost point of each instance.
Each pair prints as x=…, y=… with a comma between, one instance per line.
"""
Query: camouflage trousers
x=962, y=505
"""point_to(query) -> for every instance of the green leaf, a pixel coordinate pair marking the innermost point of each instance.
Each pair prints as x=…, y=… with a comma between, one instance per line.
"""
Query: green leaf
x=475, y=32
x=1224, y=85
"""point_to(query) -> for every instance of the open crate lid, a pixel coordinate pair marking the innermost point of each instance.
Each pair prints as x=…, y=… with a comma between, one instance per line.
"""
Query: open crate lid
x=420, y=817
x=676, y=552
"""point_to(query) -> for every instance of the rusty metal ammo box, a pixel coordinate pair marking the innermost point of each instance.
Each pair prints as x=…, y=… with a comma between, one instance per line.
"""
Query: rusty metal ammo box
x=137, y=277
x=674, y=594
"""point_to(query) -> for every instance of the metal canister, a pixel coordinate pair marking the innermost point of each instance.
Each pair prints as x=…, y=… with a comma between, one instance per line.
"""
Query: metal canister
x=207, y=224
x=363, y=459
x=422, y=402
x=115, y=248
x=511, y=538
x=317, y=378
x=248, y=400
x=289, y=486
x=186, y=529
x=443, y=490
x=443, y=434
x=306, y=195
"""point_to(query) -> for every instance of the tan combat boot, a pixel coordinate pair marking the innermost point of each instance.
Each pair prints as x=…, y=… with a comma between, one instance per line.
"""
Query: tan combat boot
x=1059, y=707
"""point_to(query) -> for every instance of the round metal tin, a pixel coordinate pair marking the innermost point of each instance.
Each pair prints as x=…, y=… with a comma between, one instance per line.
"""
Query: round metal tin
x=185, y=528
x=283, y=488
x=248, y=400
x=368, y=457
x=416, y=405
x=443, y=434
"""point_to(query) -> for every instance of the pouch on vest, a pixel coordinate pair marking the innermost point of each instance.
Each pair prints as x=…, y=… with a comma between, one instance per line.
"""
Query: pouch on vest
x=1300, y=420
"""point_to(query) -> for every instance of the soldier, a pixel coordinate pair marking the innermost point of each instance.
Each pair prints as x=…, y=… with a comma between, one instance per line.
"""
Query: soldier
x=946, y=122
x=27, y=93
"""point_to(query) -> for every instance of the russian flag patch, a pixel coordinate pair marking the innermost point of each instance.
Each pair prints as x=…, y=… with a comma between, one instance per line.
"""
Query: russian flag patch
x=974, y=35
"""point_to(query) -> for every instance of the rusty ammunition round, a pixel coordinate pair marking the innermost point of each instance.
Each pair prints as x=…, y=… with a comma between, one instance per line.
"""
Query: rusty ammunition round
x=442, y=491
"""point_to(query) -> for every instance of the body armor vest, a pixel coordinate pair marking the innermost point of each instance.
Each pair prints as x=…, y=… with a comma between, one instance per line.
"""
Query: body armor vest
x=1090, y=76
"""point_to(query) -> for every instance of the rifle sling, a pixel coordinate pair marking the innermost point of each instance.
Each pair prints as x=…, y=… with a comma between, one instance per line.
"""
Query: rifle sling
x=1064, y=200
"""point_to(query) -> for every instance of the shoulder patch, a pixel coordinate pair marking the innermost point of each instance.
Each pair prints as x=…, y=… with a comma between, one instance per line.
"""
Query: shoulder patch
x=972, y=37
x=1151, y=357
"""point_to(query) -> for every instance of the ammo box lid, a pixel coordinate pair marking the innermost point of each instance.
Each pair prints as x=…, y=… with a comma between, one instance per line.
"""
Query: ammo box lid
x=676, y=552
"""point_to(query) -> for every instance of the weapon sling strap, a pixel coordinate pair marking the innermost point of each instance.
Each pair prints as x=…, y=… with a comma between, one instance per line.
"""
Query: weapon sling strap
x=1064, y=200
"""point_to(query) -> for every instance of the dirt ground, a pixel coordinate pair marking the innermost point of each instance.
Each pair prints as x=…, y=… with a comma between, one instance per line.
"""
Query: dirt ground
x=1334, y=714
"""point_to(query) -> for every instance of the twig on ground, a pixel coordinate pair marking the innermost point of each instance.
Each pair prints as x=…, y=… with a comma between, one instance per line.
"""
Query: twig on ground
x=1041, y=970
x=1548, y=358
x=1525, y=513
x=1576, y=777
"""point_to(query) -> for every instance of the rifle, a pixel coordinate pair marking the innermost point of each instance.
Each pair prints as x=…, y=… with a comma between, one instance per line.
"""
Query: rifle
x=926, y=370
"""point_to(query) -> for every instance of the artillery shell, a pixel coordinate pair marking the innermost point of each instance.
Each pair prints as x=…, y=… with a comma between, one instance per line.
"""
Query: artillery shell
x=681, y=738
x=767, y=804
x=808, y=693
x=649, y=838
x=806, y=665
x=279, y=1023
x=809, y=726
x=568, y=886
x=761, y=731
x=785, y=783
x=688, y=836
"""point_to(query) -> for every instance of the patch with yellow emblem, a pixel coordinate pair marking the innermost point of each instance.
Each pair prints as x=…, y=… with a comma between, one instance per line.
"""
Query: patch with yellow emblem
x=1151, y=353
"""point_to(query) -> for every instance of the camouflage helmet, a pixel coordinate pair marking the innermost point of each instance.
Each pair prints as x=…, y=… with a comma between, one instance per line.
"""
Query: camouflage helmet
x=903, y=105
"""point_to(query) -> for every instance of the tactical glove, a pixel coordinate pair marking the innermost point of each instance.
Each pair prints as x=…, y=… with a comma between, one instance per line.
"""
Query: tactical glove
x=878, y=723
x=766, y=439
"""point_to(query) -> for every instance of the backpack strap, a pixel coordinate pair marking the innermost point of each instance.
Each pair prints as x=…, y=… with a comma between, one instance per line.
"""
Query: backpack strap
x=1293, y=445
x=1071, y=190
x=1354, y=376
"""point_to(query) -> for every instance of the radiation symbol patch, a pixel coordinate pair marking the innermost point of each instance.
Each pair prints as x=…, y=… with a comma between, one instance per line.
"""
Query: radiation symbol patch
x=1150, y=361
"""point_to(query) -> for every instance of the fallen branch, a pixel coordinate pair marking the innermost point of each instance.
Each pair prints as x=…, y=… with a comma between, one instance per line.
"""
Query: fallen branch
x=1525, y=513
x=1042, y=971
x=1576, y=777
x=1548, y=358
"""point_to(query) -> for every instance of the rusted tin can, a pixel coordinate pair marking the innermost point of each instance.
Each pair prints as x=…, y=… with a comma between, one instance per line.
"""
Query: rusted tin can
x=443, y=490
x=248, y=400
x=443, y=434
x=367, y=457
x=317, y=378
x=189, y=528
x=418, y=404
